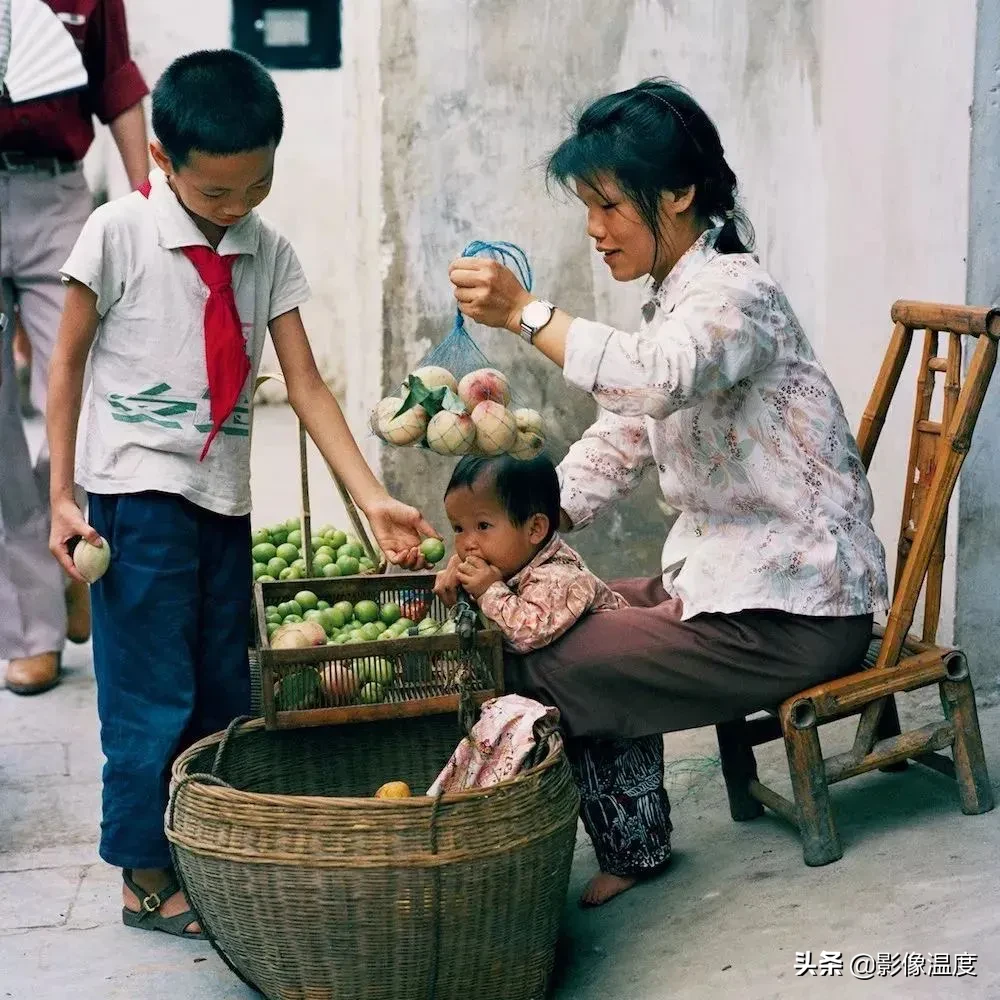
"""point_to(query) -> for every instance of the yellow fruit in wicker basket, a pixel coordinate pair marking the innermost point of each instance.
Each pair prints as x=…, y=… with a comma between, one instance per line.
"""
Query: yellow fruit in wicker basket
x=496, y=431
x=434, y=376
x=394, y=790
x=451, y=433
x=92, y=561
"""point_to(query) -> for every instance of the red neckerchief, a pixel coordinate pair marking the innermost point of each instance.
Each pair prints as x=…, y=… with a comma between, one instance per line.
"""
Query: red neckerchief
x=226, y=358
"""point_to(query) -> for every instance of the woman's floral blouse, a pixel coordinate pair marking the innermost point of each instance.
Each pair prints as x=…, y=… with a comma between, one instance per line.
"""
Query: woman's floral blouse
x=721, y=391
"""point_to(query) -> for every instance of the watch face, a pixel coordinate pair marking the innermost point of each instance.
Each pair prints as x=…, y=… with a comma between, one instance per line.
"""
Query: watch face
x=535, y=314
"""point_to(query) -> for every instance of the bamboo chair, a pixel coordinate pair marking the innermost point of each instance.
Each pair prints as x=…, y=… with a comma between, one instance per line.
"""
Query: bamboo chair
x=896, y=661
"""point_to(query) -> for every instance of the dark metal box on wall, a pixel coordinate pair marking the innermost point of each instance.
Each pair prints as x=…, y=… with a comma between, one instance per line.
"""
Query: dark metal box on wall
x=289, y=34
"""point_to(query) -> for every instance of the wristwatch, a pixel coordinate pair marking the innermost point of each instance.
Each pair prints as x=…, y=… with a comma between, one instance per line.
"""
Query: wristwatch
x=534, y=316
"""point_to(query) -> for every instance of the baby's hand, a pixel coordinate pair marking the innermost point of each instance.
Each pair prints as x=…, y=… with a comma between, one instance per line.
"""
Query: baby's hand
x=446, y=582
x=477, y=576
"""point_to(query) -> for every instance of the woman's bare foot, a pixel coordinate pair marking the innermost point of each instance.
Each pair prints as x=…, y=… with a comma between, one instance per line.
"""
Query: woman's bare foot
x=604, y=887
x=154, y=879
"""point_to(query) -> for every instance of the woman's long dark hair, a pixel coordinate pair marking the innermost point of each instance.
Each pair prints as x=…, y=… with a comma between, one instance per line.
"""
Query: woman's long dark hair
x=652, y=138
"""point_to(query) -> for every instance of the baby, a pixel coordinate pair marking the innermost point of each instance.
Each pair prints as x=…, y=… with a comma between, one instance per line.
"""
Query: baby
x=510, y=560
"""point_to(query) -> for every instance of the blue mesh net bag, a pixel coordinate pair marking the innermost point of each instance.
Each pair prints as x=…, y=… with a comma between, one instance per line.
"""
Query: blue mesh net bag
x=456, y=402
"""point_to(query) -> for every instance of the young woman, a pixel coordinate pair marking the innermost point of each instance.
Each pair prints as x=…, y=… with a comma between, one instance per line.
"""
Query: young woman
x=772, y=571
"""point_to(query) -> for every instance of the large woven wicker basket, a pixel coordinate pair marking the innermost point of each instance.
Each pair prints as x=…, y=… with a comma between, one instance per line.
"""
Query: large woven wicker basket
x=313, y=890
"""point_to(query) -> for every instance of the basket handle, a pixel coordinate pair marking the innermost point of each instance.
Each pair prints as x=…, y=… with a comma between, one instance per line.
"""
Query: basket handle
x=224, y=742
x=306, y=516
x=205, y=779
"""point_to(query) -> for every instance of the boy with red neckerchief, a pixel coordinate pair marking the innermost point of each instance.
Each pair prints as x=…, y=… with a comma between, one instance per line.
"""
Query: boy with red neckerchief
x=170, y=294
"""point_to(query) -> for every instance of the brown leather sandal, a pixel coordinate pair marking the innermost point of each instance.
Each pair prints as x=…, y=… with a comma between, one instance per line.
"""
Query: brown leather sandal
x=148, y=916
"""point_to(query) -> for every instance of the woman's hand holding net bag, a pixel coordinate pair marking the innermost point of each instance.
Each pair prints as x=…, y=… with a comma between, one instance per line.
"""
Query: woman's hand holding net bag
x=456, y=402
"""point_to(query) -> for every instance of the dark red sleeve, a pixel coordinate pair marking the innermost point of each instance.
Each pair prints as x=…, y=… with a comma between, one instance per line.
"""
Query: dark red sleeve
x=115, y=81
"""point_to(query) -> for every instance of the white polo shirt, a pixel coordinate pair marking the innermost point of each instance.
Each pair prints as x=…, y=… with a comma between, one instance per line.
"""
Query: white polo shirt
x=146, y=414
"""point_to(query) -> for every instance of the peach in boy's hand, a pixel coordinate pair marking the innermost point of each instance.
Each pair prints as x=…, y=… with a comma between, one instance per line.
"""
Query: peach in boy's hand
x=68, y=523
x=477, y=576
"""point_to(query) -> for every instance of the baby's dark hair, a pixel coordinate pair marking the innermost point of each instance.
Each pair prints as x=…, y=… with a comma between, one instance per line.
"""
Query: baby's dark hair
x=523, y=487
x=652, y=138
x=218, y=101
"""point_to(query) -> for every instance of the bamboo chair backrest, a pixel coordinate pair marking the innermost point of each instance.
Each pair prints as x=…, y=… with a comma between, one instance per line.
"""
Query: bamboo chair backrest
x=937, y=446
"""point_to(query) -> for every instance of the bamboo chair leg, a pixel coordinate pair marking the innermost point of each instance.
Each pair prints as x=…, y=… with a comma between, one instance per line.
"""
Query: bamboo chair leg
x=974, y=789
x=739, y=768
x=820, y=839
x=888, y=727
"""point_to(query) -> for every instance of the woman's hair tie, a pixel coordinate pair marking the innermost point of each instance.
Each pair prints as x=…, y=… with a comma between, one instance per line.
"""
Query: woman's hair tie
x=729, y=214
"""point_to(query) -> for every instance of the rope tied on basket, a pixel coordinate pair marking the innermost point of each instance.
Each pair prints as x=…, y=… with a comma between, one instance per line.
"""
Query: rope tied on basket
x=224, y=743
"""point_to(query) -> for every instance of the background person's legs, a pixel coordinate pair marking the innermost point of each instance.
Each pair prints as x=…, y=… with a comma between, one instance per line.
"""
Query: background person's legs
x=43, y=216
x=32, y=608
x=22, y=363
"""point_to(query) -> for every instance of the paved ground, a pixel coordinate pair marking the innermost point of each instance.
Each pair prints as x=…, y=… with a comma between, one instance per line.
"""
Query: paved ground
x=727, y=921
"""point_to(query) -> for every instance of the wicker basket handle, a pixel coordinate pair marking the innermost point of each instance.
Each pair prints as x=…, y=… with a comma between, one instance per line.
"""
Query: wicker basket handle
x=204, y=779
x=306, y=517
x=224, y=742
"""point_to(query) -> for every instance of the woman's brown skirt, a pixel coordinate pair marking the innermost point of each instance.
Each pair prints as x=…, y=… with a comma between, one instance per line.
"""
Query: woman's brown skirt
x=641, y=670
x=621, y=679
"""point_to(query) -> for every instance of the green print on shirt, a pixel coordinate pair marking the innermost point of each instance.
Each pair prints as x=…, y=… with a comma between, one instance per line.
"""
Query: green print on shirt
x=152, y=406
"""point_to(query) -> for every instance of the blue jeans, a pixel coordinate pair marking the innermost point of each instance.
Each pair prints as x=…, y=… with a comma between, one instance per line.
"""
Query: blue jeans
x=170, y=626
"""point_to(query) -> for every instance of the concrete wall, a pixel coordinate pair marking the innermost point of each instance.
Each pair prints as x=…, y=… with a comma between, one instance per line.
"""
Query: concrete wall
x=846, y=122
x=978, y=620
x=896, y=149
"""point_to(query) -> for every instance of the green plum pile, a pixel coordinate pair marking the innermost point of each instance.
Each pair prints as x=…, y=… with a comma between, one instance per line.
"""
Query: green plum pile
x=279, y=553
x=344, y=623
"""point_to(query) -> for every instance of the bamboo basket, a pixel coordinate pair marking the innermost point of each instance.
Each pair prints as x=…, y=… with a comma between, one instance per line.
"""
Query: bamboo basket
x=305, y=521
x=310, y=889
x=431, y=674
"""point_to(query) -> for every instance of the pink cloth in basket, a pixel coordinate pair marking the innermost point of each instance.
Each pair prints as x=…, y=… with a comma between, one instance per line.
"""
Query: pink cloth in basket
x=509, y=728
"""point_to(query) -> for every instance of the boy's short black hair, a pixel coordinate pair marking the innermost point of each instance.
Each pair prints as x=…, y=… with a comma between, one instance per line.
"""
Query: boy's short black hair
x=217, y=101
x=523, y=487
